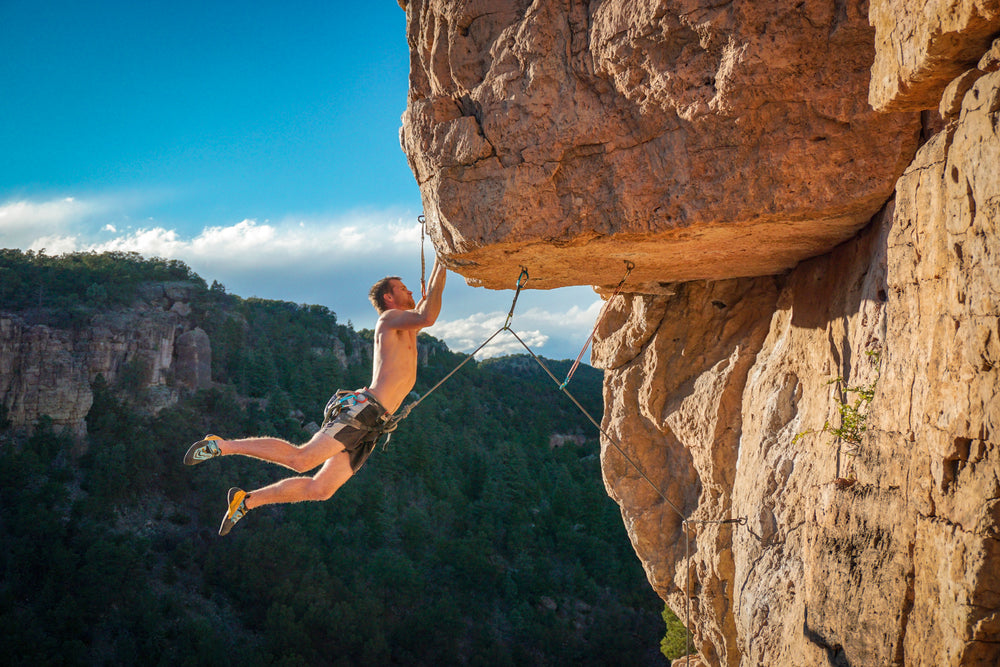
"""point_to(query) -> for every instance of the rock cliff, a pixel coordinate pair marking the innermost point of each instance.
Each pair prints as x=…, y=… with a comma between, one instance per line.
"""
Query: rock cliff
x=696, y=139
x=46, y=370
x=845, y=411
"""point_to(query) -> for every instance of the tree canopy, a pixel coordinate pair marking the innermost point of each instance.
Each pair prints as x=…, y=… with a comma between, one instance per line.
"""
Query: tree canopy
x=472, y=538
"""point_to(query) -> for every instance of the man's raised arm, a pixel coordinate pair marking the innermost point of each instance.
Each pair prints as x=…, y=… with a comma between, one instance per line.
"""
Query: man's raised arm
x=426, y=312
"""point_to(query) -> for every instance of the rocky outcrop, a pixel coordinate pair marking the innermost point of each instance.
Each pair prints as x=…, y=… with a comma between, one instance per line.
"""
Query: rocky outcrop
x=921, y=45
x=40, y=375
x=885, y=553
x=193, y=369
x=677, y=367
x=695, y=139
x=49, y=371
x=912, y=548
x=944, y=256
x=813, y=539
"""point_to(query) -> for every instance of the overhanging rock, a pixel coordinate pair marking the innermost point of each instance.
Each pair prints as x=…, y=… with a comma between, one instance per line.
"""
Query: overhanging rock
x=697, y=141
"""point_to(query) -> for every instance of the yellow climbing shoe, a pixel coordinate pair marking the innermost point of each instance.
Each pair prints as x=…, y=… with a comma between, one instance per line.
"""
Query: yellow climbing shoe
x=237, y=509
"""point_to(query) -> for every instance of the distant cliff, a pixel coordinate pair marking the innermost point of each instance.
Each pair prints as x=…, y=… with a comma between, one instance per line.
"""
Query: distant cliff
x=46, y=370
x=149, y=340
x=840, y=391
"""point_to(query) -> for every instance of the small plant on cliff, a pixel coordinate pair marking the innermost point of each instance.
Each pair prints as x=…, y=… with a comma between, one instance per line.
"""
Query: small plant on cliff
x=853, y=418
x=674, y=642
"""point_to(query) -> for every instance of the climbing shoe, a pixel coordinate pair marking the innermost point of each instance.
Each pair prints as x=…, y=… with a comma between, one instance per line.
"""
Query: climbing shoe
x=237, y=509
x=203, y=450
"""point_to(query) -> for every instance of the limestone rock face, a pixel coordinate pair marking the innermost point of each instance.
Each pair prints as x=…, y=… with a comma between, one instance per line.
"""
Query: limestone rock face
x=946, y=250
x=676, y=374
x=193, y=368
x=49, y=371
x=921, y=45
x=822, y=564
x=39, y=375
x=699, y=140
x=884, y=552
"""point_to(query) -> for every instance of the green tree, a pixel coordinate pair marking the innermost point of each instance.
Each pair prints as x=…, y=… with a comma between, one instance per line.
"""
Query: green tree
x=674, y=642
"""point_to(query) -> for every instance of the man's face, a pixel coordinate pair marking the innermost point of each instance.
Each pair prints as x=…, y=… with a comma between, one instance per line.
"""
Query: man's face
x=399, y=297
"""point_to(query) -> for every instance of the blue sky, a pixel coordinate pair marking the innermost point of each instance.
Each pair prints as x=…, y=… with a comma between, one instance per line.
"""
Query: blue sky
x=256, y=141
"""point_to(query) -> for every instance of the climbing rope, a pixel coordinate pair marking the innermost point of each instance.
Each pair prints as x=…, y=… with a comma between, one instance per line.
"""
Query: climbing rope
x=522, y=280
x=604, y=309
x=393, y=422
x=593, y=421
x=423, y=264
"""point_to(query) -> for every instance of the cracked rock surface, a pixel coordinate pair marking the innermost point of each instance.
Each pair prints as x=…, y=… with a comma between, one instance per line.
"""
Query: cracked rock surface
x=729, y=151
x=884, y=553
x=921, y=45
x=700, y=140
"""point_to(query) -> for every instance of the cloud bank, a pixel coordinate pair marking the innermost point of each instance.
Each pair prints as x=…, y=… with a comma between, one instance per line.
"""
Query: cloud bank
x=318, y=260
x=21, y=222
x=466, y=334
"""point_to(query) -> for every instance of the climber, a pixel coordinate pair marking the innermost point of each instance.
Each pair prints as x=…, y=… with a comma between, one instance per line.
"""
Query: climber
x=353, y=420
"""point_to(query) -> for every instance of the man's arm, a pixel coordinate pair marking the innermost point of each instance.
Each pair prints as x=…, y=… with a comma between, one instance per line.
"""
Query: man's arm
x=426, y=312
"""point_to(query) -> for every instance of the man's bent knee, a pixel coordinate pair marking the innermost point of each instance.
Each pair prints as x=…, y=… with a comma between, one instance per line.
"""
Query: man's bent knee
x=318, y=450
x=332, y=476
x=304, y=462
x=325, y=488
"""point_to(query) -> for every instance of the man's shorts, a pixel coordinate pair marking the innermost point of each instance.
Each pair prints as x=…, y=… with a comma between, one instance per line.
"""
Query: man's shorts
x=355, y=419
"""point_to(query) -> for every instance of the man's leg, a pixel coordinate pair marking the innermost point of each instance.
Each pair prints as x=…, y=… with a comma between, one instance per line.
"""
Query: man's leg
x=299, y=458
x=320, y=486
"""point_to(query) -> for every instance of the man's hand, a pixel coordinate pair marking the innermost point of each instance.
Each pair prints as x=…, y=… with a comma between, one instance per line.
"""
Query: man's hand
x=425, y=313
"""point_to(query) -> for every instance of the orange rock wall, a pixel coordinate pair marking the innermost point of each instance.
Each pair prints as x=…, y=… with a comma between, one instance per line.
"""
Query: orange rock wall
x=697, y=140
x=731, y=153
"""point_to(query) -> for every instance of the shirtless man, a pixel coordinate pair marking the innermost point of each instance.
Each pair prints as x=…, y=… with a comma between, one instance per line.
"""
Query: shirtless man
x=353, y=419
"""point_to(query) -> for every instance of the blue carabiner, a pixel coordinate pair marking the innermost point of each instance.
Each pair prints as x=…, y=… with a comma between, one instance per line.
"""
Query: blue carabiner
x=517, y=293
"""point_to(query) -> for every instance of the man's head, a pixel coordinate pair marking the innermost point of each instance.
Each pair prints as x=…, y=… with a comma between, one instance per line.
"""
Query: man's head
x=389, y=293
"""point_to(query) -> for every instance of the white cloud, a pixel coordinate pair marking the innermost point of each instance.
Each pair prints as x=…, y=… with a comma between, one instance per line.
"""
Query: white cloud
x=466, y=334
x=155, y=242
x=66, y=224
x=574, y=318
x=54, y=245
x=21, y=220
x=320, y=260
x=330, y=261
x=536, y=326
x=292, y=245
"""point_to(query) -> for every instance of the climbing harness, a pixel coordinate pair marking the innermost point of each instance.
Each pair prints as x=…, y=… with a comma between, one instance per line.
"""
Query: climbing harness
x=342, y=399
x=604, y=309
x=345, y=399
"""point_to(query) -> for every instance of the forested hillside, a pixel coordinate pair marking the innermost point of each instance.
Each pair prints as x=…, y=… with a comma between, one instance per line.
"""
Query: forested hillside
x=474, y=537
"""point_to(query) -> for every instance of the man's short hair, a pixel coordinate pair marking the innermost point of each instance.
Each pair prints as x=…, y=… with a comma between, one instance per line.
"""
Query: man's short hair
x=378, y=291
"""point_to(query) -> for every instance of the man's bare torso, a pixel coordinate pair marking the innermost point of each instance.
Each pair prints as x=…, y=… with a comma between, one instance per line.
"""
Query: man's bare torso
x=394, y=369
